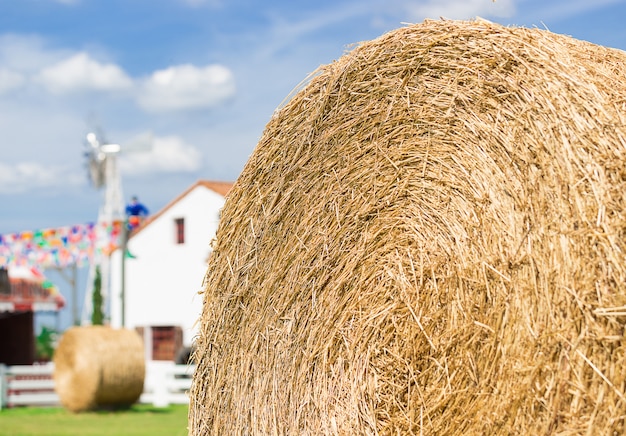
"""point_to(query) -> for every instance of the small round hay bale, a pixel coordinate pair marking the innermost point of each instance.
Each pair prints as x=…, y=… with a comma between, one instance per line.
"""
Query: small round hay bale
x=98, y=366
x=429, y=238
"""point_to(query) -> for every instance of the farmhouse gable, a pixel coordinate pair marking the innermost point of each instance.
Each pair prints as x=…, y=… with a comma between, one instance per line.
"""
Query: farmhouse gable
x=165, y=264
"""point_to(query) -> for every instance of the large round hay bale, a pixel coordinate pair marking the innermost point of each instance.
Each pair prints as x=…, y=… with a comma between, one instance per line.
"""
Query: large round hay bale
x=429, y=238
x=98, y=366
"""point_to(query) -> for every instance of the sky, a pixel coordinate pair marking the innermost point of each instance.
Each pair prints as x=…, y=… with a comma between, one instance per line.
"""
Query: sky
x=186, y=87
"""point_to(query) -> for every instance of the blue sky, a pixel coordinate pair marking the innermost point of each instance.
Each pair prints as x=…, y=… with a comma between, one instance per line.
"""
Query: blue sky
x=201, y=76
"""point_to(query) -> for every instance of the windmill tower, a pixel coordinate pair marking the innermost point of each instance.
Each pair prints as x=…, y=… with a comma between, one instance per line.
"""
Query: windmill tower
x=104, y=174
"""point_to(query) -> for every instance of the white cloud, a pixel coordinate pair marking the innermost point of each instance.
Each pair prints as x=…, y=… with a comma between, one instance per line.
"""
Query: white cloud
x=10, y=80
x=460, y=9
x=169, y=154
x=186, y=87
x=28, y=53
x=27, y=176
x=301, y=31
x=555, y=11
x=26, y=61
x=81, y=72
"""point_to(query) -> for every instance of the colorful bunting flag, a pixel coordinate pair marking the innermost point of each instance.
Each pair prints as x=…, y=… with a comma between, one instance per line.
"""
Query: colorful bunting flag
x=59, y=247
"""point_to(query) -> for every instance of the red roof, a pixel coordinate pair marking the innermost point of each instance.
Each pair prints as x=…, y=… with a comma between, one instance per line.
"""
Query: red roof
x=28, y=290
x=222, y=188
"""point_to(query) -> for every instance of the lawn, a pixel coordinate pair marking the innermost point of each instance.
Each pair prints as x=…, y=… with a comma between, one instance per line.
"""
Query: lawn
x=139, y=420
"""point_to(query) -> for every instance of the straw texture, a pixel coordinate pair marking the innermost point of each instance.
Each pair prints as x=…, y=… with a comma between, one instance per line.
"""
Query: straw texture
x=428, y=239
x=98, y=366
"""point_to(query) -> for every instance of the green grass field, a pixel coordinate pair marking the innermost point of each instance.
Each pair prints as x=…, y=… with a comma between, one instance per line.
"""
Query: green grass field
x=139, y=420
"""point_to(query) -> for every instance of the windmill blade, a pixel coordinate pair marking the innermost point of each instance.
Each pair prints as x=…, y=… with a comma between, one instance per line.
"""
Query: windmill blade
x=95, y=160
x=98, y=150
x=96, y=172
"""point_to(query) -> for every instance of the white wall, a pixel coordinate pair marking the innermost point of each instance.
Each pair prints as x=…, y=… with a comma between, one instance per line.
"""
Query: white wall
x=163, y=281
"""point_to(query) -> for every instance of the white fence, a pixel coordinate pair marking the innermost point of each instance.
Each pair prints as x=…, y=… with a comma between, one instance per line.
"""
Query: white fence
x=32, y=385
x=166, y=383
x=27, y=386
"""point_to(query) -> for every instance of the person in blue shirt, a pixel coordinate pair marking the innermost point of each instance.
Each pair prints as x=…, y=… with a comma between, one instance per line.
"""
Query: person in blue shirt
x=135, y=212
x=135, y=208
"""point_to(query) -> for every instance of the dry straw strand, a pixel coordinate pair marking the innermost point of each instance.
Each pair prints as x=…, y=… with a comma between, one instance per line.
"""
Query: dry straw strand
x=428, y=239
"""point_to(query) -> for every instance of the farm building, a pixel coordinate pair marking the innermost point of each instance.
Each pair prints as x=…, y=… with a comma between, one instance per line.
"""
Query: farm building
x=23, y=291
x=164, y=269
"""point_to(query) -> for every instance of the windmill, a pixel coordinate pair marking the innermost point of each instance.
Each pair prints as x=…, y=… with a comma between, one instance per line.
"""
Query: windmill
x=104, y=175
x=103, y=171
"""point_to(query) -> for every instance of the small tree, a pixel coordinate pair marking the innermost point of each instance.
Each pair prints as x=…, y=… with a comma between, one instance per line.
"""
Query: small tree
x=97, y=315
x=45, y=343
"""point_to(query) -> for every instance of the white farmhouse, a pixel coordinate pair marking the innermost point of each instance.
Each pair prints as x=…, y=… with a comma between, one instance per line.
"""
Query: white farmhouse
x=164, y=269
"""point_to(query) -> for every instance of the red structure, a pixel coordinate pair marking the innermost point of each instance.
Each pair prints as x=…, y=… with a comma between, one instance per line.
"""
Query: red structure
x=23, y=291
x=162, y=342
